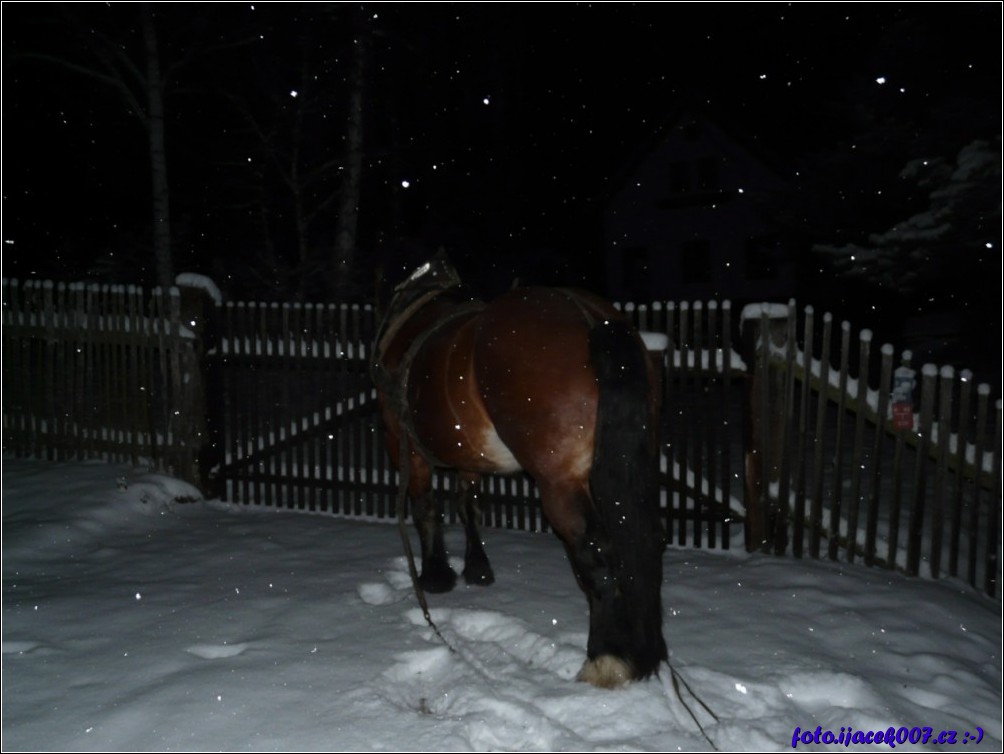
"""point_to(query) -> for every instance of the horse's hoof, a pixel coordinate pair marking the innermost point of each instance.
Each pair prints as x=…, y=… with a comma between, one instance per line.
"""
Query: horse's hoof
x=606, y=672
x=437, y=580
x=479, y=575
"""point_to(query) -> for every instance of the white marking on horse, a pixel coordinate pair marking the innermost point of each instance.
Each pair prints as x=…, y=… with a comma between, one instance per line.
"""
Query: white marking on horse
x=496, y=451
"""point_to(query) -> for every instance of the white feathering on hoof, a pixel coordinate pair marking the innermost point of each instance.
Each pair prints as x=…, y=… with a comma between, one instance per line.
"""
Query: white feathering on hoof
x=606, y=672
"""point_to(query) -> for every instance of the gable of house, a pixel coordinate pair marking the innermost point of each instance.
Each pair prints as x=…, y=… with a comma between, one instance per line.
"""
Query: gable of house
x=691, y=220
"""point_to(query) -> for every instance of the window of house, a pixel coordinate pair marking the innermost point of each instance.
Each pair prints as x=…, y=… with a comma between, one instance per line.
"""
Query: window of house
x=707, y=174
x=636, y=272
x=679, y=177
x=696, y=261
x=763, y=257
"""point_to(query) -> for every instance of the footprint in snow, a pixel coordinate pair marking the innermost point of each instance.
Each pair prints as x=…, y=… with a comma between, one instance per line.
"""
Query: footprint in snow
x=377, y=594
x=217, y=651
x=20, y=647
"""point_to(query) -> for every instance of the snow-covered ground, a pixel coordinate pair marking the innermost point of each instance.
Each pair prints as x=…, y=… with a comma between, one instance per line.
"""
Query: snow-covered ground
x=134, y=621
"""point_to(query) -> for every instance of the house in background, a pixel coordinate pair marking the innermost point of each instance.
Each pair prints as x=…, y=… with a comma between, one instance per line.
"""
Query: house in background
x=692, y=221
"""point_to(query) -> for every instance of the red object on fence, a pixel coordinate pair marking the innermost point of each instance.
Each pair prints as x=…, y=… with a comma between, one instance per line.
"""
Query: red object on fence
x=902, y=415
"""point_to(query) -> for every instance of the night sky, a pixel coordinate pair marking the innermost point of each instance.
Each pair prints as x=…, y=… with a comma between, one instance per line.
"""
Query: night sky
x=497, y=131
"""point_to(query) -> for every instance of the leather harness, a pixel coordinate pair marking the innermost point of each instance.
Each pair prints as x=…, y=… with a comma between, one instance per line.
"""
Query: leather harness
x=394, y=385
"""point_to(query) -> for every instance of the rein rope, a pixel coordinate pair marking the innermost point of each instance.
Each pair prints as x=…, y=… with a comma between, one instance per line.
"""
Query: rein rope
x=676, y=680
x=402, y=493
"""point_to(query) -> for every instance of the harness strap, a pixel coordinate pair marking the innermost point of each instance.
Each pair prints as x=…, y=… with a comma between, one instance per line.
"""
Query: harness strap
x=396, y=385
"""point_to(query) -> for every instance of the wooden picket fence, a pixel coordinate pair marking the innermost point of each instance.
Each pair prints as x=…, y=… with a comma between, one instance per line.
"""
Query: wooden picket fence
x=100, y=371
x=832, y=473
x=771, y=440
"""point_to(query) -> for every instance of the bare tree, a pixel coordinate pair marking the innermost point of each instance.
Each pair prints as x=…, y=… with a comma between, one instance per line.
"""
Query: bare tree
x=154, y=122
x=137, y=79
x=346, y=232
x=119, y=47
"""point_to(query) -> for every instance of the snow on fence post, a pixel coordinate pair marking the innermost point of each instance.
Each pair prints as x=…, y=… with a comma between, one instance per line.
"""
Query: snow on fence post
x=764, y=332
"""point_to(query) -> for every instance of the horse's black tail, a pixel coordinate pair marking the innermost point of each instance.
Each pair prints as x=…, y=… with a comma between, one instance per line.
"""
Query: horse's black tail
x=625, y=489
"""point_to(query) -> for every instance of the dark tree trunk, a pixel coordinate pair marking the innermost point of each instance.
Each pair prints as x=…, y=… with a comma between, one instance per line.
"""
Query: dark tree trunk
x=158, y=154
x=346, y=232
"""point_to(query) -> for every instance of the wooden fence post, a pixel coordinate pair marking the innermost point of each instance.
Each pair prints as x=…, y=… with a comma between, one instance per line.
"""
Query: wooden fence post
x=202, y=396
x=764, y=332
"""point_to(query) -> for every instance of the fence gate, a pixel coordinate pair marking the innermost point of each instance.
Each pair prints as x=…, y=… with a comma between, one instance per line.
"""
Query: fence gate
x=299, y=426
x=298, y=420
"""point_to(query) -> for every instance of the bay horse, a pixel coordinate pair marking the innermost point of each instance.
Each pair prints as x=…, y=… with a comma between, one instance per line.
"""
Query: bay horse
x=554, y=382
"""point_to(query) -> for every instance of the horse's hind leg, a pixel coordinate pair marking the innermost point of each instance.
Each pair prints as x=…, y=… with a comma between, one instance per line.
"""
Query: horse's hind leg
x=437, y=576
x=477, y=569
x=570, y=512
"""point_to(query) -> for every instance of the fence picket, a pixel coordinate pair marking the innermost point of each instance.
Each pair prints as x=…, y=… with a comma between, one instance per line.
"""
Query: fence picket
x=857, y=454
x=816, y=507
x=991, y=585
x=871, y=527
x=916, y=526
x=837, y=498
x=727, y=434
x=696, y=465
x=783, y=464
x=716, y=416
x=801, y=459
x=957, y=504
x=946, y=383
x=982, y=412
x=898, y=474
x=683, y=454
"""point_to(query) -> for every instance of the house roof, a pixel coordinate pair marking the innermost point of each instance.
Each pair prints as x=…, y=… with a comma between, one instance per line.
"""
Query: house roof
x=745, y=141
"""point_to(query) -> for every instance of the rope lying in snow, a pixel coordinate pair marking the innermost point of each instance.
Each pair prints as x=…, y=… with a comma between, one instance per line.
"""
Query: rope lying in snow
x=677, y=679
